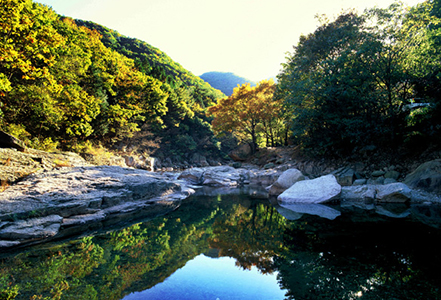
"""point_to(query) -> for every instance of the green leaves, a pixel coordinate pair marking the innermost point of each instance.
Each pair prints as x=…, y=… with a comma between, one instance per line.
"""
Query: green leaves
x=346, y=84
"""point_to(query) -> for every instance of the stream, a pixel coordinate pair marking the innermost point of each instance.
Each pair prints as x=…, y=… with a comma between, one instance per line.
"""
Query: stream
x=241, y=246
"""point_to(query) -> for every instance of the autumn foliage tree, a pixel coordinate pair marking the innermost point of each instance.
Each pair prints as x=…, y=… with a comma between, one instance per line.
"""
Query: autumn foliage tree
x=249, y=113
x=66, y=82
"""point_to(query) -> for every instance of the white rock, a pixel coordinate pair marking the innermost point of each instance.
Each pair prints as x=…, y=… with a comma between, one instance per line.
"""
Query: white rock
x=319, y=190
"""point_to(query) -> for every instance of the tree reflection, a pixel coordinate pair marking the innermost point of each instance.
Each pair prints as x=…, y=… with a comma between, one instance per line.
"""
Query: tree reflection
x=252, y=236
x=350, y=260
x=354, y=256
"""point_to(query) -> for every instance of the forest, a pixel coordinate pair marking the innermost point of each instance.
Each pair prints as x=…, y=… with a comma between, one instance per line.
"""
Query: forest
x=70, y=85
x=369, y=79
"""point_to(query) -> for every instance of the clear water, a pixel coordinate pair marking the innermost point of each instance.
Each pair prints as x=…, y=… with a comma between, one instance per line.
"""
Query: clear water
x=238, y=246
x=214, y=278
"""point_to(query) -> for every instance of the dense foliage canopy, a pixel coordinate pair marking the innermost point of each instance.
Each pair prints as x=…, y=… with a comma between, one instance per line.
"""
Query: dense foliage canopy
x=68, y=81
x=359, y=80
x=369, y=79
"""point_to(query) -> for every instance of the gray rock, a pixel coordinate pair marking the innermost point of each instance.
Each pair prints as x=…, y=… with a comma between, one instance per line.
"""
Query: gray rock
x=263, y=177
x=345, y=177
x=392, y=174
x=199, y=160
x=378, y=173
x=319, y=190
x=222, y=176
x=70, y=201
x=389, y=180
x=358, y=193
x=359, y=181
x=285, y=181
x=31, y=229
x=193, y=175
x=241, y=153
x=427, y=177
x=269, y=166
x=394, y=192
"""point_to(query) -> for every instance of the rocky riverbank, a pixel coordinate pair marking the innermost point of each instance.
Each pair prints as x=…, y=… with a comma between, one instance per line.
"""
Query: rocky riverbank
x=61, y=195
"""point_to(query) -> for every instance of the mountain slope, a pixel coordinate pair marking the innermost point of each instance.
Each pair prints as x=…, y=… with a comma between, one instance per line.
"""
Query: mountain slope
x=225, y=81
x=151, y=60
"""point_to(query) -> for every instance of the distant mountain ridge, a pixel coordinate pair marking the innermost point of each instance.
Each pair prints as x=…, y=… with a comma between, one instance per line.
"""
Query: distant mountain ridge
x=225, y=81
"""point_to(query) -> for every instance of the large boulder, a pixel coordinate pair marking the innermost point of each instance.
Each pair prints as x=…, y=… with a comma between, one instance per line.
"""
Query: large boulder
x=285, y=181
x=241, y=153
x=319, y=190
x=427, y=177
x=222, y=176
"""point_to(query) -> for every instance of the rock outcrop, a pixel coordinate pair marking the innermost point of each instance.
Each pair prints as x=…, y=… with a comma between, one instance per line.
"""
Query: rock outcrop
x=226, y=176
x=71, y=201
x=427, y=177
x=61, y=194
x=15, y=165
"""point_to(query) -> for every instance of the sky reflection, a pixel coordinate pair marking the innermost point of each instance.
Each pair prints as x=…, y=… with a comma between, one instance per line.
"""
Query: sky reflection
x=214, y=279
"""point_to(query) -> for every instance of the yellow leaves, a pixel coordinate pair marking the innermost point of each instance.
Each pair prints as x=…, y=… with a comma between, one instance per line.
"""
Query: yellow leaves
x=245, y=108
x=27, y=38
x=5, y=84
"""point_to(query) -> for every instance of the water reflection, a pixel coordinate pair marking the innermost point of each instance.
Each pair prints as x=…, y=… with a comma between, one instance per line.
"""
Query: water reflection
x=294, y=211
x=214, y=278
x=356, y=251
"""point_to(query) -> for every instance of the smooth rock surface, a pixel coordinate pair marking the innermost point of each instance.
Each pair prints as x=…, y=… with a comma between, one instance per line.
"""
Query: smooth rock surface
x=319, y=190
x=71, y=201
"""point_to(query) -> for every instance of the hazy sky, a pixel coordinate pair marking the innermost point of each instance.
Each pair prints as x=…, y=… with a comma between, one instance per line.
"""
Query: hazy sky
x=247, y=37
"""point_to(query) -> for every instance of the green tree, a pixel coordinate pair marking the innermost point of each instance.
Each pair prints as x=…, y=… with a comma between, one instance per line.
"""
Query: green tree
x=28, y=46
x=347, y=83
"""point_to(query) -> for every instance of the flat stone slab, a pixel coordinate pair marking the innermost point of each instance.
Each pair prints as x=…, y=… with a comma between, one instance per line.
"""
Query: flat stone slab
x=70, y=200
